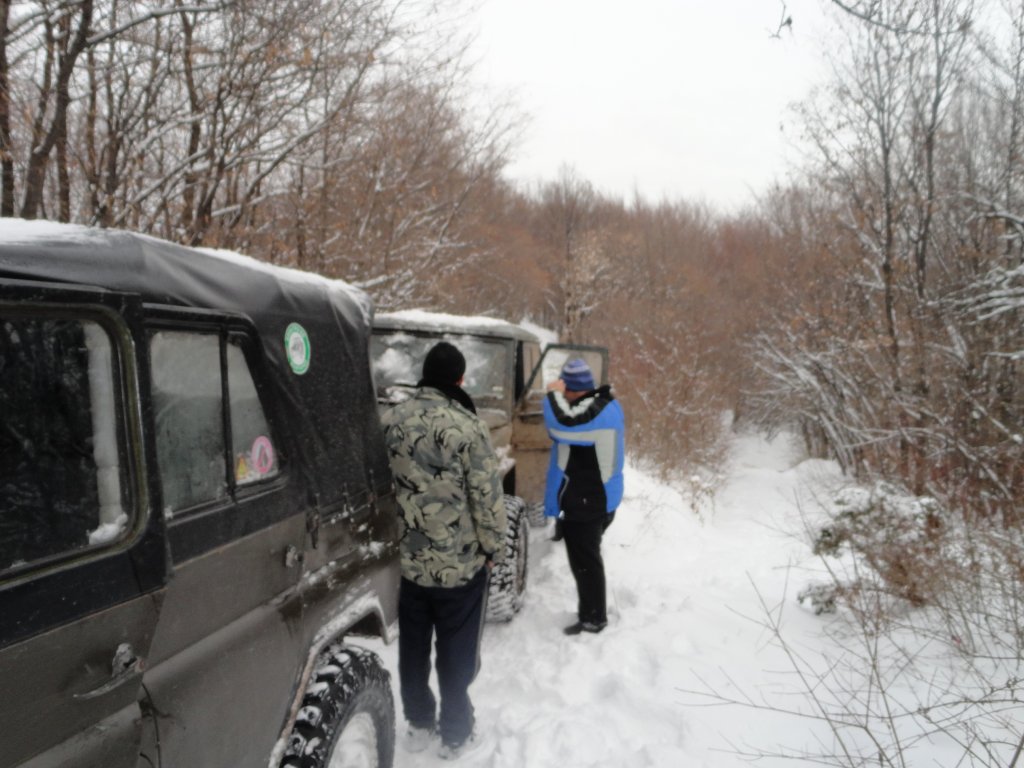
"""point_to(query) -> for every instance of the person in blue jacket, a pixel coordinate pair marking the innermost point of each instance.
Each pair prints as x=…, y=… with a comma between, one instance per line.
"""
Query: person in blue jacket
x=584, y=482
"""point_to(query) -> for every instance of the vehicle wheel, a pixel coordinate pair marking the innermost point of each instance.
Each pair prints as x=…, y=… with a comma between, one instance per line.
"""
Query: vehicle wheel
x=347, y=719
x=508, y=578
x=535, y=514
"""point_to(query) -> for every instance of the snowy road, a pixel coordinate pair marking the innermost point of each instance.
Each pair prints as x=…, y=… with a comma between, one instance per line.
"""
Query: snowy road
x=681, y=599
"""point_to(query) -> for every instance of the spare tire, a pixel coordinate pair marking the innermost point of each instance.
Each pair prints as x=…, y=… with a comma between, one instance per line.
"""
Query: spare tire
x=347, y=719
x=508, y=578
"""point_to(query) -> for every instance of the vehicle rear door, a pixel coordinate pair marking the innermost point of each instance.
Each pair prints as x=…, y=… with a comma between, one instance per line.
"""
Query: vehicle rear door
x=82, y=552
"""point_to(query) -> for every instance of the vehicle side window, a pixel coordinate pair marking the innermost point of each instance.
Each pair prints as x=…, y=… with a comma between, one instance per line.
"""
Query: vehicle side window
x=204, y=453
x=487, y=365
x=531, y=356
x=253, y=450
x=62, y=479
x=188, y=410
x=398, y=359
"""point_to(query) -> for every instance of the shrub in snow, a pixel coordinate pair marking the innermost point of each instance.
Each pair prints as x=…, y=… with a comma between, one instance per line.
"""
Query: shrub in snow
x=821, y=597
x=897, y=535
x=702, y=489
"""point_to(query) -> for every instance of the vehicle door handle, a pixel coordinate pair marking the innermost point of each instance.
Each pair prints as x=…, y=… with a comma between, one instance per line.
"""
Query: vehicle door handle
x=125, y=666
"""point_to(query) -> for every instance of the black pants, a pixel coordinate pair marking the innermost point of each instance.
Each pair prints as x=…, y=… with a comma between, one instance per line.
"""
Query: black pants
x=456, y=615
x=583, y=545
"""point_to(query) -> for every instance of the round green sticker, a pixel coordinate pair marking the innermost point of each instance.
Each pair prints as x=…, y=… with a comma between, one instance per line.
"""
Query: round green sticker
x=296, y=346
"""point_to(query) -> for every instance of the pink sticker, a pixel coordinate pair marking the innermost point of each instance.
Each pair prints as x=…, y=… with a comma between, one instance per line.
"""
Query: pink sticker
x=262, y=456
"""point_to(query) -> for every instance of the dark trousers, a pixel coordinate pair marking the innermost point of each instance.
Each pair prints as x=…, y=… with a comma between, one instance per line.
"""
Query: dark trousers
x=583, y=545
x=456, y=615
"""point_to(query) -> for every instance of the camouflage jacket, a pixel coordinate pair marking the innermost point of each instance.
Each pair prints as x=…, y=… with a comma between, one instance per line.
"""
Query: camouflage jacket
x=449, y=489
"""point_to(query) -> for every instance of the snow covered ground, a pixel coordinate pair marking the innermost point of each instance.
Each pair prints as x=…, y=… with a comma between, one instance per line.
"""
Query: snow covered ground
x=685, y=606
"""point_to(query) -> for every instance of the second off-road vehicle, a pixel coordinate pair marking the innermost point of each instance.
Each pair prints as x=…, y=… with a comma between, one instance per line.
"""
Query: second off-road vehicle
x=507, y=375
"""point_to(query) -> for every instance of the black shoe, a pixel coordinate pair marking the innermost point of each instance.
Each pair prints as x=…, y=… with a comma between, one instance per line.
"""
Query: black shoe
x=585, y=626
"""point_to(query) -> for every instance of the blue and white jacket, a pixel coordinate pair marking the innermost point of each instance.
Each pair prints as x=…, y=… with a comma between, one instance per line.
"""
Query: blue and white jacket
x=587, y=455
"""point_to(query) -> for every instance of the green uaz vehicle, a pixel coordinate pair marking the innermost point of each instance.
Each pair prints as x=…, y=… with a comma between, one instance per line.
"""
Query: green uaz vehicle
x=197, y=520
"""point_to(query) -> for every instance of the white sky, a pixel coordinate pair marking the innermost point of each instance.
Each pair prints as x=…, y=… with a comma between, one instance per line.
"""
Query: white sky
x=683, y=99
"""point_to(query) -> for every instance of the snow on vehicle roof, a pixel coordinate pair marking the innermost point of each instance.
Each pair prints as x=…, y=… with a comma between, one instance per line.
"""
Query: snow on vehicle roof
x=25, y=232
x=421, y=319
x=358, y=295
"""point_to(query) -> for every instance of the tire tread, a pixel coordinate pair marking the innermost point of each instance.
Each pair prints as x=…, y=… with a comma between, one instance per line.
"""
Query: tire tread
x=345, y=680
x=508, y=578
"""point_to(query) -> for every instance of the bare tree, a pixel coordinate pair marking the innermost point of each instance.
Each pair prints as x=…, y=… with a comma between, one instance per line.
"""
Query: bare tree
x=569, y=206
x=901, y=169
x=66, y=27
x=198, y=121
x=6, y=134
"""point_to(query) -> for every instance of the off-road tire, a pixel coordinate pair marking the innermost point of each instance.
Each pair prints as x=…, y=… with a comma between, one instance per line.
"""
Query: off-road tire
x=507, y=587
x=347, y=704
x=535, y=514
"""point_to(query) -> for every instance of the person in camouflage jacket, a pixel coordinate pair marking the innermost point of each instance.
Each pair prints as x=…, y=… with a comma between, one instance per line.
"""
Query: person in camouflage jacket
x=449, y=489
x=452, y=523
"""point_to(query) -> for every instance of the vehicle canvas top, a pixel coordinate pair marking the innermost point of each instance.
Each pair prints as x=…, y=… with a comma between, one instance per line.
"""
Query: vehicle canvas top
x=439, y=322
x=325, y=322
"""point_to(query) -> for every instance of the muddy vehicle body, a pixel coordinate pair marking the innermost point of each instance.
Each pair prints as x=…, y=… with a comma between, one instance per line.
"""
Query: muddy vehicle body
x=197, y=519
x=508, y=370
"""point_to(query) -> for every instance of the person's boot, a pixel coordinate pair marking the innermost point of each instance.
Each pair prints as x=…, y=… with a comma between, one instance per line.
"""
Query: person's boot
x=585, y=626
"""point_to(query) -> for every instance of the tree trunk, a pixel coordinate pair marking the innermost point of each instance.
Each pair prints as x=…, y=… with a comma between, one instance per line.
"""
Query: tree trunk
x=35, y=175
x=6, y=139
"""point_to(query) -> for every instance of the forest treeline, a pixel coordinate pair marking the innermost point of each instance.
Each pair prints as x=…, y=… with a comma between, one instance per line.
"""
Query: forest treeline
x=875, y=303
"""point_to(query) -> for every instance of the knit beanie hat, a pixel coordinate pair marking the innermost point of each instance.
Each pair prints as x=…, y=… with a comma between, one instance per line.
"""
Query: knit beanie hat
x=577, y=376
x=444, y=364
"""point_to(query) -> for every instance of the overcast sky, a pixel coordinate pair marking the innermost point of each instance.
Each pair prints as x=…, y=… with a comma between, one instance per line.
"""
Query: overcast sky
x=684, y=99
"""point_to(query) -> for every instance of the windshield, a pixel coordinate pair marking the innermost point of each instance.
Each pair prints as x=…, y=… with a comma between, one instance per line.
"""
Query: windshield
x=398, y=362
